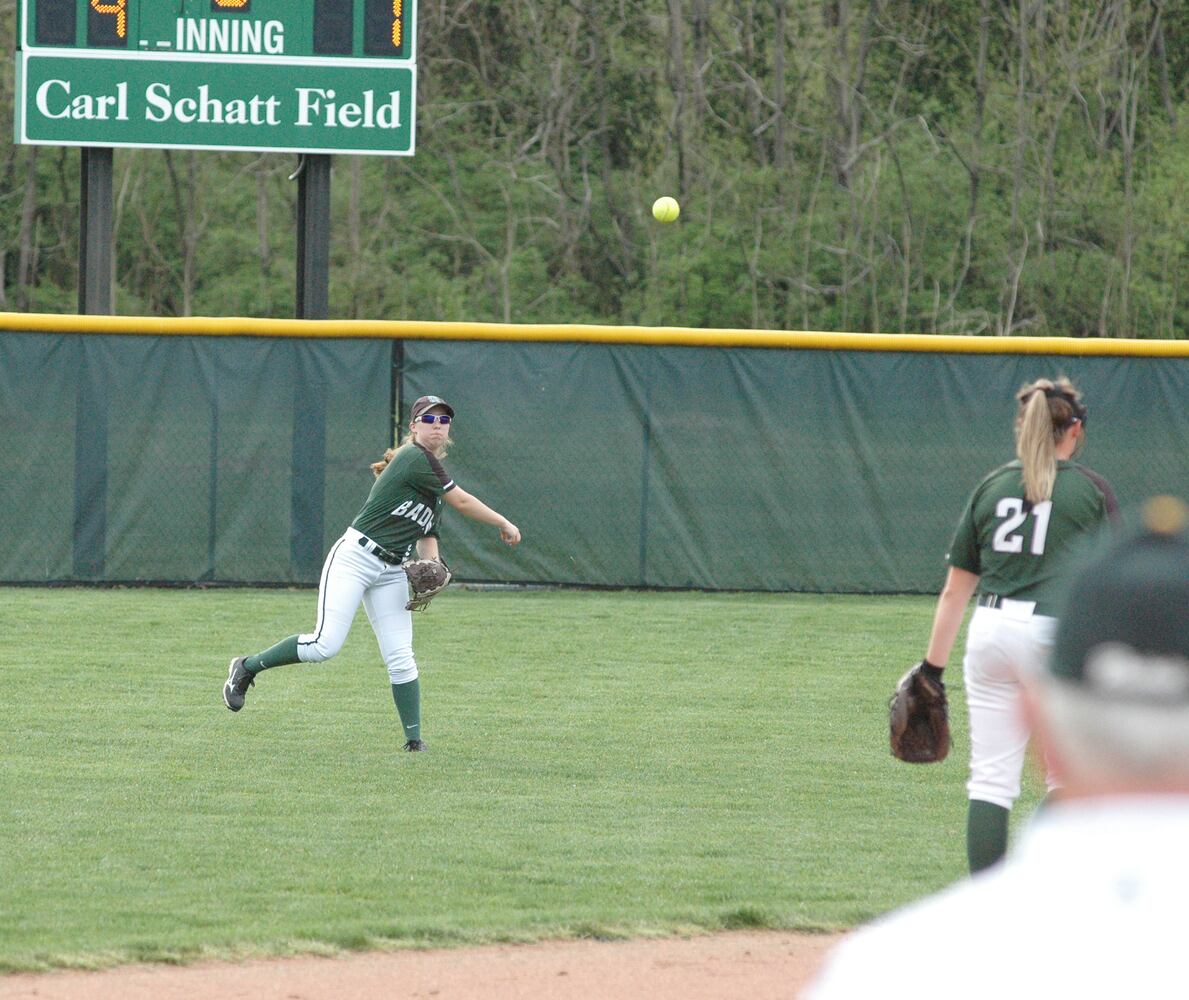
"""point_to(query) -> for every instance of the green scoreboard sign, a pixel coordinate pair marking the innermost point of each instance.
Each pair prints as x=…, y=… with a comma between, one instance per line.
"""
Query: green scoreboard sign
x=315, y=76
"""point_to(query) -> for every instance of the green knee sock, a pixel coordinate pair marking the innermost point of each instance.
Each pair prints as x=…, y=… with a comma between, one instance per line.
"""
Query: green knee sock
x=986, y=834
x=408, y=707
x=283, y=652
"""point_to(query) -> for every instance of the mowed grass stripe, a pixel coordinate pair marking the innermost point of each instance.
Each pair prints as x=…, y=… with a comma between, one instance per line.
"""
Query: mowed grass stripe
x=601, y=763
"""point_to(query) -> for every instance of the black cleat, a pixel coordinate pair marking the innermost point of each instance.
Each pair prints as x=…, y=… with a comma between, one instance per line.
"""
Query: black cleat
x=238, y=681
x=414, y=746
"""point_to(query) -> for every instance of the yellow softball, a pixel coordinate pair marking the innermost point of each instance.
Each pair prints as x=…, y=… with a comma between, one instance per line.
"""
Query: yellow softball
x=665, y=209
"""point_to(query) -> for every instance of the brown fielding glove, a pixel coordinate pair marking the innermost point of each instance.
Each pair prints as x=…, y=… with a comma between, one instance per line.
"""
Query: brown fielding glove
x=919, y=718
x=427, y=579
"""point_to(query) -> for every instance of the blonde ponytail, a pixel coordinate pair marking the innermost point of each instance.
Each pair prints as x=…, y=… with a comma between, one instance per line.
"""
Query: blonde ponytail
x=380, y=466
x=1047, y=408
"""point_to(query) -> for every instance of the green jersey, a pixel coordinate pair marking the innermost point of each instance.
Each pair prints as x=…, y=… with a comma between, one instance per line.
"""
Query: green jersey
x=405, y=502
x=1015, y=546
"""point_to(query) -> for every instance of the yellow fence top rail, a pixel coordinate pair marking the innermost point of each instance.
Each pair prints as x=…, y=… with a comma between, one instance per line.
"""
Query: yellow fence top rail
x=229, y=326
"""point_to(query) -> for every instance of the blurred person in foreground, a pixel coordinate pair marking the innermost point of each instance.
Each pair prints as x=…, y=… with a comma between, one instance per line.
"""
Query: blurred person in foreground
x=1090, y=904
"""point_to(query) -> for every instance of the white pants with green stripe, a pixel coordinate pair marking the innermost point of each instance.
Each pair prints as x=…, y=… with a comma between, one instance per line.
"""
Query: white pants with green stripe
x=1002, y=644
x=350, y=576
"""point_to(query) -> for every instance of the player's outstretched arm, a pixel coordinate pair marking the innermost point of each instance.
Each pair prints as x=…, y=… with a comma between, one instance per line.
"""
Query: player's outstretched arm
x=473, y=507
x=959, y=587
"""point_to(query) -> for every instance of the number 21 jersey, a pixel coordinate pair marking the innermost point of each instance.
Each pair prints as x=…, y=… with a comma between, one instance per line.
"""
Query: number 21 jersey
x=1016, y=547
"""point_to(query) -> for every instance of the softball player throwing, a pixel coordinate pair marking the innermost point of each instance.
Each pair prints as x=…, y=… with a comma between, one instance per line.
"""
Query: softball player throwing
x=402, y=513
x=1019, y=522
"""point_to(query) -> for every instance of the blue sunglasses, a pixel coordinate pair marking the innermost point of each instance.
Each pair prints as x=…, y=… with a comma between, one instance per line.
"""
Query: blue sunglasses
x=435, y=418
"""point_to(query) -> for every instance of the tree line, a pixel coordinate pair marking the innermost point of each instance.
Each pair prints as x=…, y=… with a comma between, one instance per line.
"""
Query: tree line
x=952, y=166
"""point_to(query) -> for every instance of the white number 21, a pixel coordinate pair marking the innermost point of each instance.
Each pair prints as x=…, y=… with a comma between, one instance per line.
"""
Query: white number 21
x=1012, y=509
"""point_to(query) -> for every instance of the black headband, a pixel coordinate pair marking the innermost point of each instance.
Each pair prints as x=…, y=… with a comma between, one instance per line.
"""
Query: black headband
x=1075, y=404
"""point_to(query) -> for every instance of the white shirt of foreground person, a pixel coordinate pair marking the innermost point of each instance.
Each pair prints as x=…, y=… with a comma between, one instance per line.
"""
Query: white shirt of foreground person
x=1090, y=904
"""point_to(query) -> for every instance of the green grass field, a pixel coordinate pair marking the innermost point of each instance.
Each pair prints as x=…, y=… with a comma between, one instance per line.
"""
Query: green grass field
x=601, y=764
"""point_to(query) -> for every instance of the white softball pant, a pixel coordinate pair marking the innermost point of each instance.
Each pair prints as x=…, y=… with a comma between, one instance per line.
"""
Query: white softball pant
x=1002, y=644
x=350, y=575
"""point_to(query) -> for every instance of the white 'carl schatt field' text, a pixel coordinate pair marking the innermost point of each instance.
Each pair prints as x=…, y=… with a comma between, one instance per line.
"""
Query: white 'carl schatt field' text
x=56, y=99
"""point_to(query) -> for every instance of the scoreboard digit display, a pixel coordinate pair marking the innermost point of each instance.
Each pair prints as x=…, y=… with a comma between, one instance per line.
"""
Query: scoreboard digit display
x=304, y=75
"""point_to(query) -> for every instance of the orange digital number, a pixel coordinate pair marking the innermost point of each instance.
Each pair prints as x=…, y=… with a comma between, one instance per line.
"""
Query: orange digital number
x=397, y=23
x=119, y=8
x=232, y=4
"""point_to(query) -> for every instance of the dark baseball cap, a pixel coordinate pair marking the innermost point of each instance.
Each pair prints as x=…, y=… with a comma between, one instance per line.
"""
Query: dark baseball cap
x=427, y=403
x=1124, y=633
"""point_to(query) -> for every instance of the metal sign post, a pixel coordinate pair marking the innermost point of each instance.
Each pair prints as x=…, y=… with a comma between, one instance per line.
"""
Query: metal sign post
x=95, y=238
x=313, y=236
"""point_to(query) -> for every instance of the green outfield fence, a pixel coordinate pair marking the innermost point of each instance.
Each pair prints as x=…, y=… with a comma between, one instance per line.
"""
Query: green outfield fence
x=235, y=450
